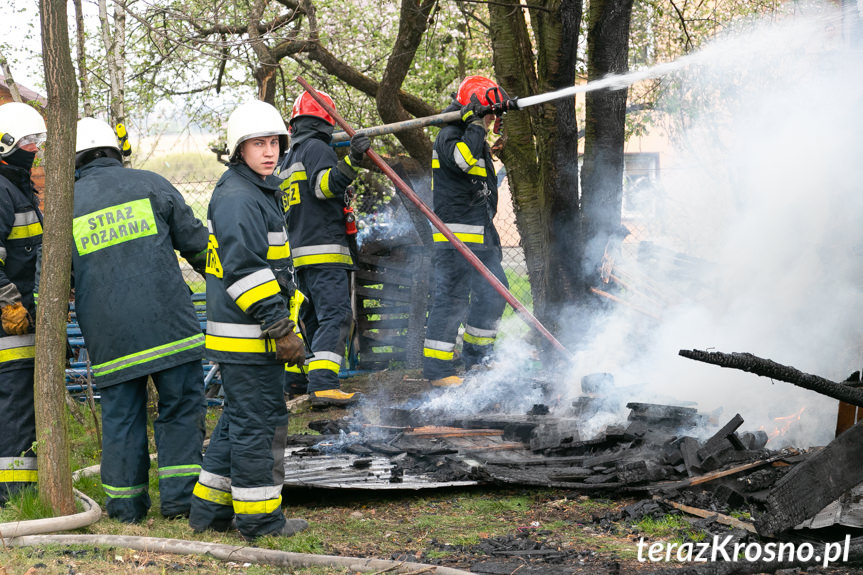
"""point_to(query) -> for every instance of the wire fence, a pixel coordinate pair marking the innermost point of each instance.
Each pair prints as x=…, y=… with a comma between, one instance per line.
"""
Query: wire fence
x=197, y=195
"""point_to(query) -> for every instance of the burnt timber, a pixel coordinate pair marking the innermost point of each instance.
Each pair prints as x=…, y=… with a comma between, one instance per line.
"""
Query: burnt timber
x=768, y=368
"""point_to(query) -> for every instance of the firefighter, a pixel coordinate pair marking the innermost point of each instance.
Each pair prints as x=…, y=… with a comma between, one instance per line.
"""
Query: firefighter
x=249, y=333
x=316, y=184
x=138, y=322
x=22, y=131
x=464, y=185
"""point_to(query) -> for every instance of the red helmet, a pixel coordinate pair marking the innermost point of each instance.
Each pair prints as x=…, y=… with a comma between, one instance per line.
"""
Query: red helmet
x=305, y=105
x=480, y=86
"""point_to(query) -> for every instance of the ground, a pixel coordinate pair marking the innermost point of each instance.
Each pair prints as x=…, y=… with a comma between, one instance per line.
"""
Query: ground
x=482, y=529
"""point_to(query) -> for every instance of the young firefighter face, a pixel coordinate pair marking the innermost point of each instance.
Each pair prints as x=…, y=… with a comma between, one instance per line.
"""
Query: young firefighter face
x=261, y=154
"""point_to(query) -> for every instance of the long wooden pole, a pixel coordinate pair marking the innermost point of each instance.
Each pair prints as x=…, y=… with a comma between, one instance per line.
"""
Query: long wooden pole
x=441, y=227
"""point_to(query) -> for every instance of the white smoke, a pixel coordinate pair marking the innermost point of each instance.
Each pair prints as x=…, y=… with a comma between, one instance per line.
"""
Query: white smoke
x=768, y=187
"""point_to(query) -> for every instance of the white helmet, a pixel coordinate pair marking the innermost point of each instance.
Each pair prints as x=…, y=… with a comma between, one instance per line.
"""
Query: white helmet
x=254, y=119
x=93, y=133
x=17, y=121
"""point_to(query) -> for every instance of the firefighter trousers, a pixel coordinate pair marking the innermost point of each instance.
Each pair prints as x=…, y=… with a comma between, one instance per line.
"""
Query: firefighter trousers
x=244, y=467
x=17, y=430
x=179, y=434
x=460, y=294
x=327, y=318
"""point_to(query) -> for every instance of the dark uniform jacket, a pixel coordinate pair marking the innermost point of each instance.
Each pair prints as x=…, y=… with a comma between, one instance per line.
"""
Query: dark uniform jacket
x=132, y=302
x=248, y=248
x=464, y=184
x=315, y=191
x=20, y=238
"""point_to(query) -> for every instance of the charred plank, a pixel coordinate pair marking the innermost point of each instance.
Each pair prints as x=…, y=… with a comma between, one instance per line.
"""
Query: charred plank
x=768, y=368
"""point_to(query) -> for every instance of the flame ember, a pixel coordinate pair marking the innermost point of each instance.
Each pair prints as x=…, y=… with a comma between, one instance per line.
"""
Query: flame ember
x=781, y=425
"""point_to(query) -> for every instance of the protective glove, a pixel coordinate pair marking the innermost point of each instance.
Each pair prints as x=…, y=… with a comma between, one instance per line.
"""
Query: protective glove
x=360, y=143
x=15, y=319
x=289, y=346
x=279, y=328
x=291, y=349
x=470, y=112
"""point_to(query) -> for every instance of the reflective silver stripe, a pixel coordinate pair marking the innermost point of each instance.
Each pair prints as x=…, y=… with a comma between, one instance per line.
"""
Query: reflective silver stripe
x=477, y=332
x=328, y=356
x=214, y=481
x=210, y=226
x=277, y=238
x=244, y=330
x=296, y=167
x=13, y=341
x=464, y=163
x=320, y=193
x=241, y=286
x=25, y=219
x=3, y=254
x=463, y=228
x=435, y=344
x=321, y=249
x=18, y=463
x=266, y=493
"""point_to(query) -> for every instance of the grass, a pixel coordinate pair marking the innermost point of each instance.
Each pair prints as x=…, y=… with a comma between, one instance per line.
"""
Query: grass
x=419, y=526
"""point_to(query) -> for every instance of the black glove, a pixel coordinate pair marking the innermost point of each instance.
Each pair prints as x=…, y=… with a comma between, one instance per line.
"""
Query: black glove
x=470, y=112
x=360, y=143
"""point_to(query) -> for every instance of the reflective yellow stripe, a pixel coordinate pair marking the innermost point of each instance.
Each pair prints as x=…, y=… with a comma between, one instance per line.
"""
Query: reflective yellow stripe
x=322, y=186
x=435, y=163
x=213, y=495
x=29, y=231
x=476, y=340
x=468, y=163
x=316, y=364
x=152, y=354
x=239, y=345
x=278, y=252
x=466, y=238
x=258, y=293
x=438, y=354
x=18, y=476
x=257, y=507
x=323, y=259
x=26, y=352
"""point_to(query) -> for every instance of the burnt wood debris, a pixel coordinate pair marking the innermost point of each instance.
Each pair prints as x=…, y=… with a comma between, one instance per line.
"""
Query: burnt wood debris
x=674, y=458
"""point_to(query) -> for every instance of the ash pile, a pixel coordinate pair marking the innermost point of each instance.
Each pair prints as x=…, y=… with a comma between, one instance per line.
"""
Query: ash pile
x=664, y=452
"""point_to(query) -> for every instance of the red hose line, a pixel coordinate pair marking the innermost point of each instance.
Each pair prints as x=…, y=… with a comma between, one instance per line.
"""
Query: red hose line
x=442, y=228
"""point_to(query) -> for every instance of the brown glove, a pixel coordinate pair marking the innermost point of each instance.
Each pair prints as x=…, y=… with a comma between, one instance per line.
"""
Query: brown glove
x=291, y=349
x=15, y=319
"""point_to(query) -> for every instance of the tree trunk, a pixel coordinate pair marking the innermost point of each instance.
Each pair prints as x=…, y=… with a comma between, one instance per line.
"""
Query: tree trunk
x=412, y=27
x=605, y=122
x=540, y=149
x=55, y=478
x=83, y=76
x=10, y=81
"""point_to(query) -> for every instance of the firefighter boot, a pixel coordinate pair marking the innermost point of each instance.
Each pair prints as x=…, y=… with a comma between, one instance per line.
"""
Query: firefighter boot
x=449, y=381
x=333, y=398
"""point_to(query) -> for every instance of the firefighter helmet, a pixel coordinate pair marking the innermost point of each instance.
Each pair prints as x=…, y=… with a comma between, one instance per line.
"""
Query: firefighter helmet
x=305, y=105
x=480, y=86
x=17, y=121
x=93, y=133
x=254, y=119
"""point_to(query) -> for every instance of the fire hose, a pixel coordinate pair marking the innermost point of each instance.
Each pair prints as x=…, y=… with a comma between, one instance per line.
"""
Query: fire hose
x=438, y=223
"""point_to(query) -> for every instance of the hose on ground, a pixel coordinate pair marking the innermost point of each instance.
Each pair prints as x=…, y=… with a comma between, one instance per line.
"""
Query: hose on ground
x=225, y=552
x=91, y=514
